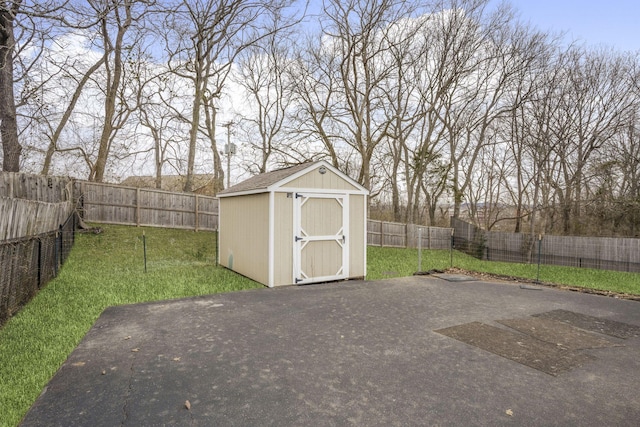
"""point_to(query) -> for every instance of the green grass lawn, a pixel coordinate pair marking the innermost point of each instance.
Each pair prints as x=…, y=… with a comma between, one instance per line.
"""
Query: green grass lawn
x=108, y=269
x=386, y=262
x=103, y=270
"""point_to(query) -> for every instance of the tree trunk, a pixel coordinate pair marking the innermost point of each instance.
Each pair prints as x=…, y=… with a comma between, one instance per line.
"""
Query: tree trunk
x=159, y=158
x=211, y=120
x=193, y=138
x=11, y=148
x=111, y=94
x=53, y=142
x=200, y=83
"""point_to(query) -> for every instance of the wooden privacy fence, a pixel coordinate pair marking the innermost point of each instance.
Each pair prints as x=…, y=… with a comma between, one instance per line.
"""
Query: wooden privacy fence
x=20, y=218
x=37, y=224
x=603, y=253
x=50, y=189
x=381, y=233
x=33, y=204
x=399, y=235
x=114, y=204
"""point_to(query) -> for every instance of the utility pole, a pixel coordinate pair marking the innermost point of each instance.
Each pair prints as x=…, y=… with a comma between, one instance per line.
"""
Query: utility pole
x=229, y=150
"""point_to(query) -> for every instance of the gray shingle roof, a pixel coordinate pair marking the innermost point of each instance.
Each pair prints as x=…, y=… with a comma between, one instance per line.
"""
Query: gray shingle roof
x=264, y=180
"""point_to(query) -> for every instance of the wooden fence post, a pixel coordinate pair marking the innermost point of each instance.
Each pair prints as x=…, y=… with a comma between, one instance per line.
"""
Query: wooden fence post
x=406, y=237
x=197, y=214
x=138, y=207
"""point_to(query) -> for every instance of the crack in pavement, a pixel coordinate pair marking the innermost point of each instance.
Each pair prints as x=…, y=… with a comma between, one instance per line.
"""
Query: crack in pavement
x=125, y=412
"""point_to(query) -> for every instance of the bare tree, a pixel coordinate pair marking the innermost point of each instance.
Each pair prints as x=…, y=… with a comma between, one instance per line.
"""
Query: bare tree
x=312, y=75
x=35, y=24
x=339, y=81
x=517, y=171
x=8, y=124
x=595, y=106
x=362, y=34
x=262, y=73
x=162, y=113
x=117, y=18
x=406, y=111
x=206, y=37
x=110, y=34
x=54, y=131
x=29, y=19
x=627, y=151
x=611, y=189
x=482, y=51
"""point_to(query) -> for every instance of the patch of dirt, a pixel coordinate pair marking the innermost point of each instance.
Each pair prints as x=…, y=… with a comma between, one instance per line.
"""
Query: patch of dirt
x=513, y=279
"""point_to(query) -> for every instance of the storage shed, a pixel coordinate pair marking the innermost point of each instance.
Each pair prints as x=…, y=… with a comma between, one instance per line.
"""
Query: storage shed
x=302, y=224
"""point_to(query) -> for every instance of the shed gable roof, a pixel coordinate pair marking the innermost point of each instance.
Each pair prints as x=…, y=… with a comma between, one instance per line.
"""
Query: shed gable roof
x=264, y=181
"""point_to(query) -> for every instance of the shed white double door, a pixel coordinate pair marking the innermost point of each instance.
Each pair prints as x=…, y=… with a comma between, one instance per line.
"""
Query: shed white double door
x=321, y=237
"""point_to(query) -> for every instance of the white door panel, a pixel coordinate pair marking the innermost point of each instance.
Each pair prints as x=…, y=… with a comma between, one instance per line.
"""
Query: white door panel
x=321, y=237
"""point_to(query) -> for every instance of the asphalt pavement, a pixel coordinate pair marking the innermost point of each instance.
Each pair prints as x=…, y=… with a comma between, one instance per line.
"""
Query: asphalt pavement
x=420, y=350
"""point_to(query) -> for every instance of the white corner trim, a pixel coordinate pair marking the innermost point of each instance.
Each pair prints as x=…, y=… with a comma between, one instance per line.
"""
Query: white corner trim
x=272, y=230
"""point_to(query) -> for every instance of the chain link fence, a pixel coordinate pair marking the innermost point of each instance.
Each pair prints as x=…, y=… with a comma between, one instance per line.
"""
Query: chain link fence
x=28, y=263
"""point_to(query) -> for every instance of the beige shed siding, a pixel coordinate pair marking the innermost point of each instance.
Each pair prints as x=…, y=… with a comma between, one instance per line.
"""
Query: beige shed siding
x=247, y=219
x=283, y=240
x=314, y=179
x=257, y=225
x=357, y=246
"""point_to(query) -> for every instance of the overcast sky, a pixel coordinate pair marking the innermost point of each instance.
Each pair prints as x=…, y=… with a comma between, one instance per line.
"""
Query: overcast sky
x=614, y=23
